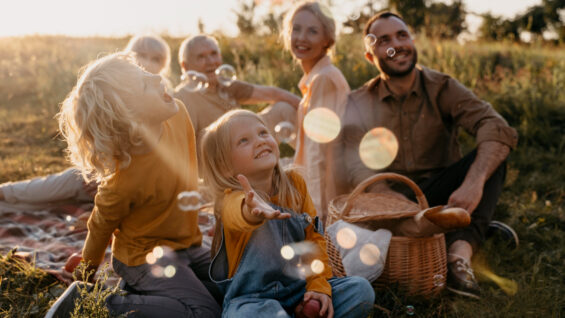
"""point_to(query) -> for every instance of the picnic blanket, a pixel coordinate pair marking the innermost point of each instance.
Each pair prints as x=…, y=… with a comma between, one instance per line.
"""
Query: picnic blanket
x=47, y=237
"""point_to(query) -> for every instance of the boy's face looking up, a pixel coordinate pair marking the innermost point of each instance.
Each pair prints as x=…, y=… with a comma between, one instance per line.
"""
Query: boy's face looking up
x=149, y=100
x=204, y=57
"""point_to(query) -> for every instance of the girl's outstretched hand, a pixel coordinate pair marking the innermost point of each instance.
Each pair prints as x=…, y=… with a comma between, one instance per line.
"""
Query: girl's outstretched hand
x=255, y=209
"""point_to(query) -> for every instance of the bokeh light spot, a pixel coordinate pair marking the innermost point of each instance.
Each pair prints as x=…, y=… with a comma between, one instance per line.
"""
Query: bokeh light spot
x=369, y=254
x=317, y=266
x=158, y=251
x=321, y=124
x=150, y=258
x=346, y=238
x=287, y=252
x=169, y=271
x=378, y=148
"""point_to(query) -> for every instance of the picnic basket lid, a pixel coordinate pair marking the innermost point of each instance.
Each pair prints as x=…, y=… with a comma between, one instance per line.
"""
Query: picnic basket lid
x=359, y=206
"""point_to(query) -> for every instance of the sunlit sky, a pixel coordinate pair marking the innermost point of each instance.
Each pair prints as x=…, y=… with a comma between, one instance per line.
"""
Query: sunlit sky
x=175, y=17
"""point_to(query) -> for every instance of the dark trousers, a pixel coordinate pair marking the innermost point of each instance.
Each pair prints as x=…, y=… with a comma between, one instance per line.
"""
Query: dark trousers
x=441, y=185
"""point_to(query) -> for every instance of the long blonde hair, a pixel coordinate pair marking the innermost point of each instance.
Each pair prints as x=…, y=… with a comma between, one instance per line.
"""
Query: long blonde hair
x=218, y=175
x=320, y=11
x=100, y=129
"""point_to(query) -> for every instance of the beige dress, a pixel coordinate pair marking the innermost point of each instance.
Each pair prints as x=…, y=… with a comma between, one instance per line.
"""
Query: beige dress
x=323, y=86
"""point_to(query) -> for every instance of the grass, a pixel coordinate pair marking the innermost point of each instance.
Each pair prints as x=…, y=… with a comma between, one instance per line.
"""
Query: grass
x=524, y=83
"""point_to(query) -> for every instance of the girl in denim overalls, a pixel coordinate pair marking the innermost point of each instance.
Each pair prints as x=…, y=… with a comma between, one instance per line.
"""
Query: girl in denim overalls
x=255, y=204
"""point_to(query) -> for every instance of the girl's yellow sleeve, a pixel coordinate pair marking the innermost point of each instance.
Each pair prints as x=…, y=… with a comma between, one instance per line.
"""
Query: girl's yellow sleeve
x=317, y=283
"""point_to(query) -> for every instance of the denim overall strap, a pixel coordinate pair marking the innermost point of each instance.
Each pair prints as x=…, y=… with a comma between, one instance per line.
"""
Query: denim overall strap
x=262, y=271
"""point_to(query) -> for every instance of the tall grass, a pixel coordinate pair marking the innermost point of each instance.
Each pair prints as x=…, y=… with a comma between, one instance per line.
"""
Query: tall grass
x=526, y=84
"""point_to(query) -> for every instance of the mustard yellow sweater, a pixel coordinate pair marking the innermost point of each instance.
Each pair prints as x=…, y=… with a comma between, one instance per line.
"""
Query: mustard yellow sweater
x=138, y=204
x=237, y=232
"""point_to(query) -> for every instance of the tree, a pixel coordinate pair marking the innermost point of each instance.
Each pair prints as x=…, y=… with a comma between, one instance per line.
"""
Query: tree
x=445, y=21
x=245, y=14
x=412, y=11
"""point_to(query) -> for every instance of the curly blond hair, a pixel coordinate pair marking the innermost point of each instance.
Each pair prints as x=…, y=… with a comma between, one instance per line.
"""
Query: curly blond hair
x=99, y=127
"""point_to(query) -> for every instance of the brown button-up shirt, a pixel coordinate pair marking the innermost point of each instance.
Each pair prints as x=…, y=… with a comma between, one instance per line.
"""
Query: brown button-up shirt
x=425, y=123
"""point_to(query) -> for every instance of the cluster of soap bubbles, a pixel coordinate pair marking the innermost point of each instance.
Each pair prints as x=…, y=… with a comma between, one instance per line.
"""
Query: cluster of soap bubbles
x=194, y=81
x=157, y=259
x=296, y=253
x=189, y=201
x=197, y=82
x=70, y=220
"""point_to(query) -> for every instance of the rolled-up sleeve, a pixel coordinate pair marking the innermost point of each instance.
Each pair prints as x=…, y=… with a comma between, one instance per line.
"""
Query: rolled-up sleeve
x=476, y=116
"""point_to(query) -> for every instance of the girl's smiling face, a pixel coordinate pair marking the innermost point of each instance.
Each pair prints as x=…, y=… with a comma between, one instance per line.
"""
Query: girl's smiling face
x=308, y=39
x=254, y=151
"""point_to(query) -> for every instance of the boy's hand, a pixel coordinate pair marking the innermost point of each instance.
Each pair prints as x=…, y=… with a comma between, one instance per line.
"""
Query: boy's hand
x=255, y=208
x=327, y=308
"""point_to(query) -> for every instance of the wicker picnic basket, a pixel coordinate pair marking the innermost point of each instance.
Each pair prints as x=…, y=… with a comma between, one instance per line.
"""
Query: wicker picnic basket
x=418, y=266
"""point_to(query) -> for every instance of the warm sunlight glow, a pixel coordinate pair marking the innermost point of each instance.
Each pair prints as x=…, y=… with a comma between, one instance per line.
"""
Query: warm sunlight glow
x=174, y=17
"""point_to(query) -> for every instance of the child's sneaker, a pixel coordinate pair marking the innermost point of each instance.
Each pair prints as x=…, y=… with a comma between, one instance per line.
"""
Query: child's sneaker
x=504, y=232
x=65, y=304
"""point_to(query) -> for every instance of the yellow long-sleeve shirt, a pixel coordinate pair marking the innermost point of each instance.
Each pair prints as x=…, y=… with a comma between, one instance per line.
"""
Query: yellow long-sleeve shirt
x=237, y=232
x=138, y=204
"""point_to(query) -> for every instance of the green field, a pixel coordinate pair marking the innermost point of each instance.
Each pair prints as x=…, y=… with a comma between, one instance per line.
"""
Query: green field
x=526, y=84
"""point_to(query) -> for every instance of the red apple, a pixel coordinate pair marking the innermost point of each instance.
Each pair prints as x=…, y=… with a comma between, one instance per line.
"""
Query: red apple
x=72, y=262
x=311, y=309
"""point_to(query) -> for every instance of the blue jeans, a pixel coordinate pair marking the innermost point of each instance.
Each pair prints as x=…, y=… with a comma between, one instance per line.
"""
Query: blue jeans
x=186, y=294
x=265, y=284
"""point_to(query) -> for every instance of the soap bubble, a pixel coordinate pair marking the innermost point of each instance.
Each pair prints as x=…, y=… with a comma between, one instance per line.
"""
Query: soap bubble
x=438, y=280
x=378, y=148
x=346, y=238
x=285, y=132
x=390, y=52
x=321, y=125
x=354, y=15
x=410, y=310
x=189, y=201
x=226, y=74
x=370, y=40
x=194, y=81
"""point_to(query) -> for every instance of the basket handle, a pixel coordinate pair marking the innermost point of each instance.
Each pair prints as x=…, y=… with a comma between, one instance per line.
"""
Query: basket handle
x=420, y=197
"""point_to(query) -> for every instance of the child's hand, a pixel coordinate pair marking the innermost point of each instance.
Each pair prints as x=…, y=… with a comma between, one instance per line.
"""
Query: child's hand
x=327, y=308
x=256, y=208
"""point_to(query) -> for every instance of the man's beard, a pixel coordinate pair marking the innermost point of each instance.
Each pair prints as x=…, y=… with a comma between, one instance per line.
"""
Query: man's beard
x=394, y=73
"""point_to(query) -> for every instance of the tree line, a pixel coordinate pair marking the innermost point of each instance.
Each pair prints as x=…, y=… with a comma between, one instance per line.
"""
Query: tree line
x=433, y=18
